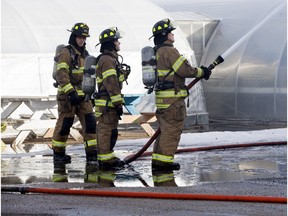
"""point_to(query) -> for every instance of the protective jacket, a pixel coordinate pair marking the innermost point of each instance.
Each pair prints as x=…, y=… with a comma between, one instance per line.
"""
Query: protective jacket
x=172, y=69
x=109, y=81
x=70, y=69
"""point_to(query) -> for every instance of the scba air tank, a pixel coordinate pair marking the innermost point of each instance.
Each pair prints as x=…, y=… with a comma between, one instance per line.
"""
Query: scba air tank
x=57, y=53
x=89, y=76
x=56, y=58
x=148, y=68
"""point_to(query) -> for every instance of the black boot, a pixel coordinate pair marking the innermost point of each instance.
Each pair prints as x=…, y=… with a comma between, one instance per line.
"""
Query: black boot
x=61, y=157
x=91, y=157
x=166, y=167
x=91, y=154
x=110, y=165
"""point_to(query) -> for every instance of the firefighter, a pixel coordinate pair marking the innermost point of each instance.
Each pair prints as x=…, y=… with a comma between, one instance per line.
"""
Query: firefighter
x=70, y=97
x=170, y=92
x=110, y=75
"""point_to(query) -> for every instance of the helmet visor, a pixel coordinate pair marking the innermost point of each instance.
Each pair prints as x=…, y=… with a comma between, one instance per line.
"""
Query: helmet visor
x=119, y=34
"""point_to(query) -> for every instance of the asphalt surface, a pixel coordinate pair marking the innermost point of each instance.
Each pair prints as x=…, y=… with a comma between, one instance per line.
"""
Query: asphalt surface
x=253, y=172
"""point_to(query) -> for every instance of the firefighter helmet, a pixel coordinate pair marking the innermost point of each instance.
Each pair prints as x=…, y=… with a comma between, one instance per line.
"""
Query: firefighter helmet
x=80, y=29
x=162, y=27
x=109, y=34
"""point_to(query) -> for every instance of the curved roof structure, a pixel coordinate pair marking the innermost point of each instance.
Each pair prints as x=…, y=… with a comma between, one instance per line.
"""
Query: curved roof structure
x=251, y=83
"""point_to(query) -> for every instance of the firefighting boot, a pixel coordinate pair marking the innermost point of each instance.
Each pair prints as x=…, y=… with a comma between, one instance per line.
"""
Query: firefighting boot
x=91, y=154
x=59, y=174
x=166, y=167
x=116, y=163
x=61, y=157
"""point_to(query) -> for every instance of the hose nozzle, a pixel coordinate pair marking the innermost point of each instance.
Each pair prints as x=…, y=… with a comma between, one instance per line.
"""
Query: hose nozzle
x=217, y=61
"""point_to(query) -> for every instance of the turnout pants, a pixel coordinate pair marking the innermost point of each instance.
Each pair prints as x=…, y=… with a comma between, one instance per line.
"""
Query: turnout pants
x=171, y=123
x=86, y=116
x=107, y=134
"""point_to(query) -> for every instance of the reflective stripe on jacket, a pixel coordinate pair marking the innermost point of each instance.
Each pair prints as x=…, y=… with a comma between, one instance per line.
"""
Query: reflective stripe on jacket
x=172, y=68
x=68, y=76
x=108, y=81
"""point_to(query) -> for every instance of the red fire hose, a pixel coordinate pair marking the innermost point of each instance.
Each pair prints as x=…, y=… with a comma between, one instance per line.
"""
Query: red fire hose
x=207, y=148
x=211, y=197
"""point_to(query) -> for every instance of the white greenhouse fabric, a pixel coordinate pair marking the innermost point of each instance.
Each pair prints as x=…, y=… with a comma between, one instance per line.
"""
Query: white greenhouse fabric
x=252, y=81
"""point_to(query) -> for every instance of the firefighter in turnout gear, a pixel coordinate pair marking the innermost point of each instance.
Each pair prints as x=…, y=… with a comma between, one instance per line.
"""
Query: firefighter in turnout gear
x=170, y=92
x=110, y=75
x=70, y=97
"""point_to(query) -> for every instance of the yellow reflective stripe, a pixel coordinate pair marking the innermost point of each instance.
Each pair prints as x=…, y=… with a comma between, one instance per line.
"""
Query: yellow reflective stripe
x=163, y=178
x=121, y=78
x=116, y=98
x=105, y=157
x=107, y=176
x=58, y=144
x=80, y=92
x=162, y=106
x=163, y=158
x=92, y=142
x=101, y=102
x=92, y=178
x=109, y=72
x=65, y=88
x=99, y=80
x=171, y=93
x=162, y=73
x=80, y=70
x=3, y=126
x=62, y=65
x=59, y=178
x=199, y=73
x=178, y=63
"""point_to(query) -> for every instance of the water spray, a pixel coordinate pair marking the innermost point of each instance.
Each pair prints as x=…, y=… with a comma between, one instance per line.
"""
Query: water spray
x=248, y=34
x=216, y=62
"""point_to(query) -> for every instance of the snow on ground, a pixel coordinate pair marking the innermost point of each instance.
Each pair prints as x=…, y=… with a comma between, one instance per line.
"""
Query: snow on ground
x=223, y=137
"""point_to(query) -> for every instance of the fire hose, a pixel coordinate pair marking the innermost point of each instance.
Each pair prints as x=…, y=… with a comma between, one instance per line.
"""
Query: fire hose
x=150, y=195
x=154, y=195
x=228, y=146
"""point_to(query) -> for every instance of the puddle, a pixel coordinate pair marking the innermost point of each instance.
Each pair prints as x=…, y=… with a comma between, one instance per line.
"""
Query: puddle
x=196, y=167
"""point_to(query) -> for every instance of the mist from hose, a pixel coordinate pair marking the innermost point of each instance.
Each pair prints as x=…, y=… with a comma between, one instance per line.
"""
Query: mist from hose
x=248, y=34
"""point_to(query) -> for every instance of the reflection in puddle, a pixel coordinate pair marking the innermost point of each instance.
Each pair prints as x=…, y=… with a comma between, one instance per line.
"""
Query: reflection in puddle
x=196, y=168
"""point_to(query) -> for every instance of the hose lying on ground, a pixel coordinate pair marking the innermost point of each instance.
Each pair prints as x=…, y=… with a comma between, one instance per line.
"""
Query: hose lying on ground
x=154, y=195
x=207, y=148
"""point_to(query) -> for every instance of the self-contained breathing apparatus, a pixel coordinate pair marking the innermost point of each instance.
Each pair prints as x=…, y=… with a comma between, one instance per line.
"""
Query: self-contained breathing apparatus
x=74, y=60
x=89, y=76
x=149, y=71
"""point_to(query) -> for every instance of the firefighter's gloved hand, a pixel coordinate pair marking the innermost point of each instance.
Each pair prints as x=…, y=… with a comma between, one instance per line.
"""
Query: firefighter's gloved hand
x=73, y=98
x=206, y=72
x=119, y=110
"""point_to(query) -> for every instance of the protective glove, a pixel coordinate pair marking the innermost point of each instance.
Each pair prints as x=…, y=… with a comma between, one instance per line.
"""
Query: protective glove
x=119, y=110
x=73, y=98
x=206, y=72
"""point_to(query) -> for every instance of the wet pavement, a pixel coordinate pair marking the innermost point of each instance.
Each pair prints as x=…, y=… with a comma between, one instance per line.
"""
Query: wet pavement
x=252, y=171
x=35, y=165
